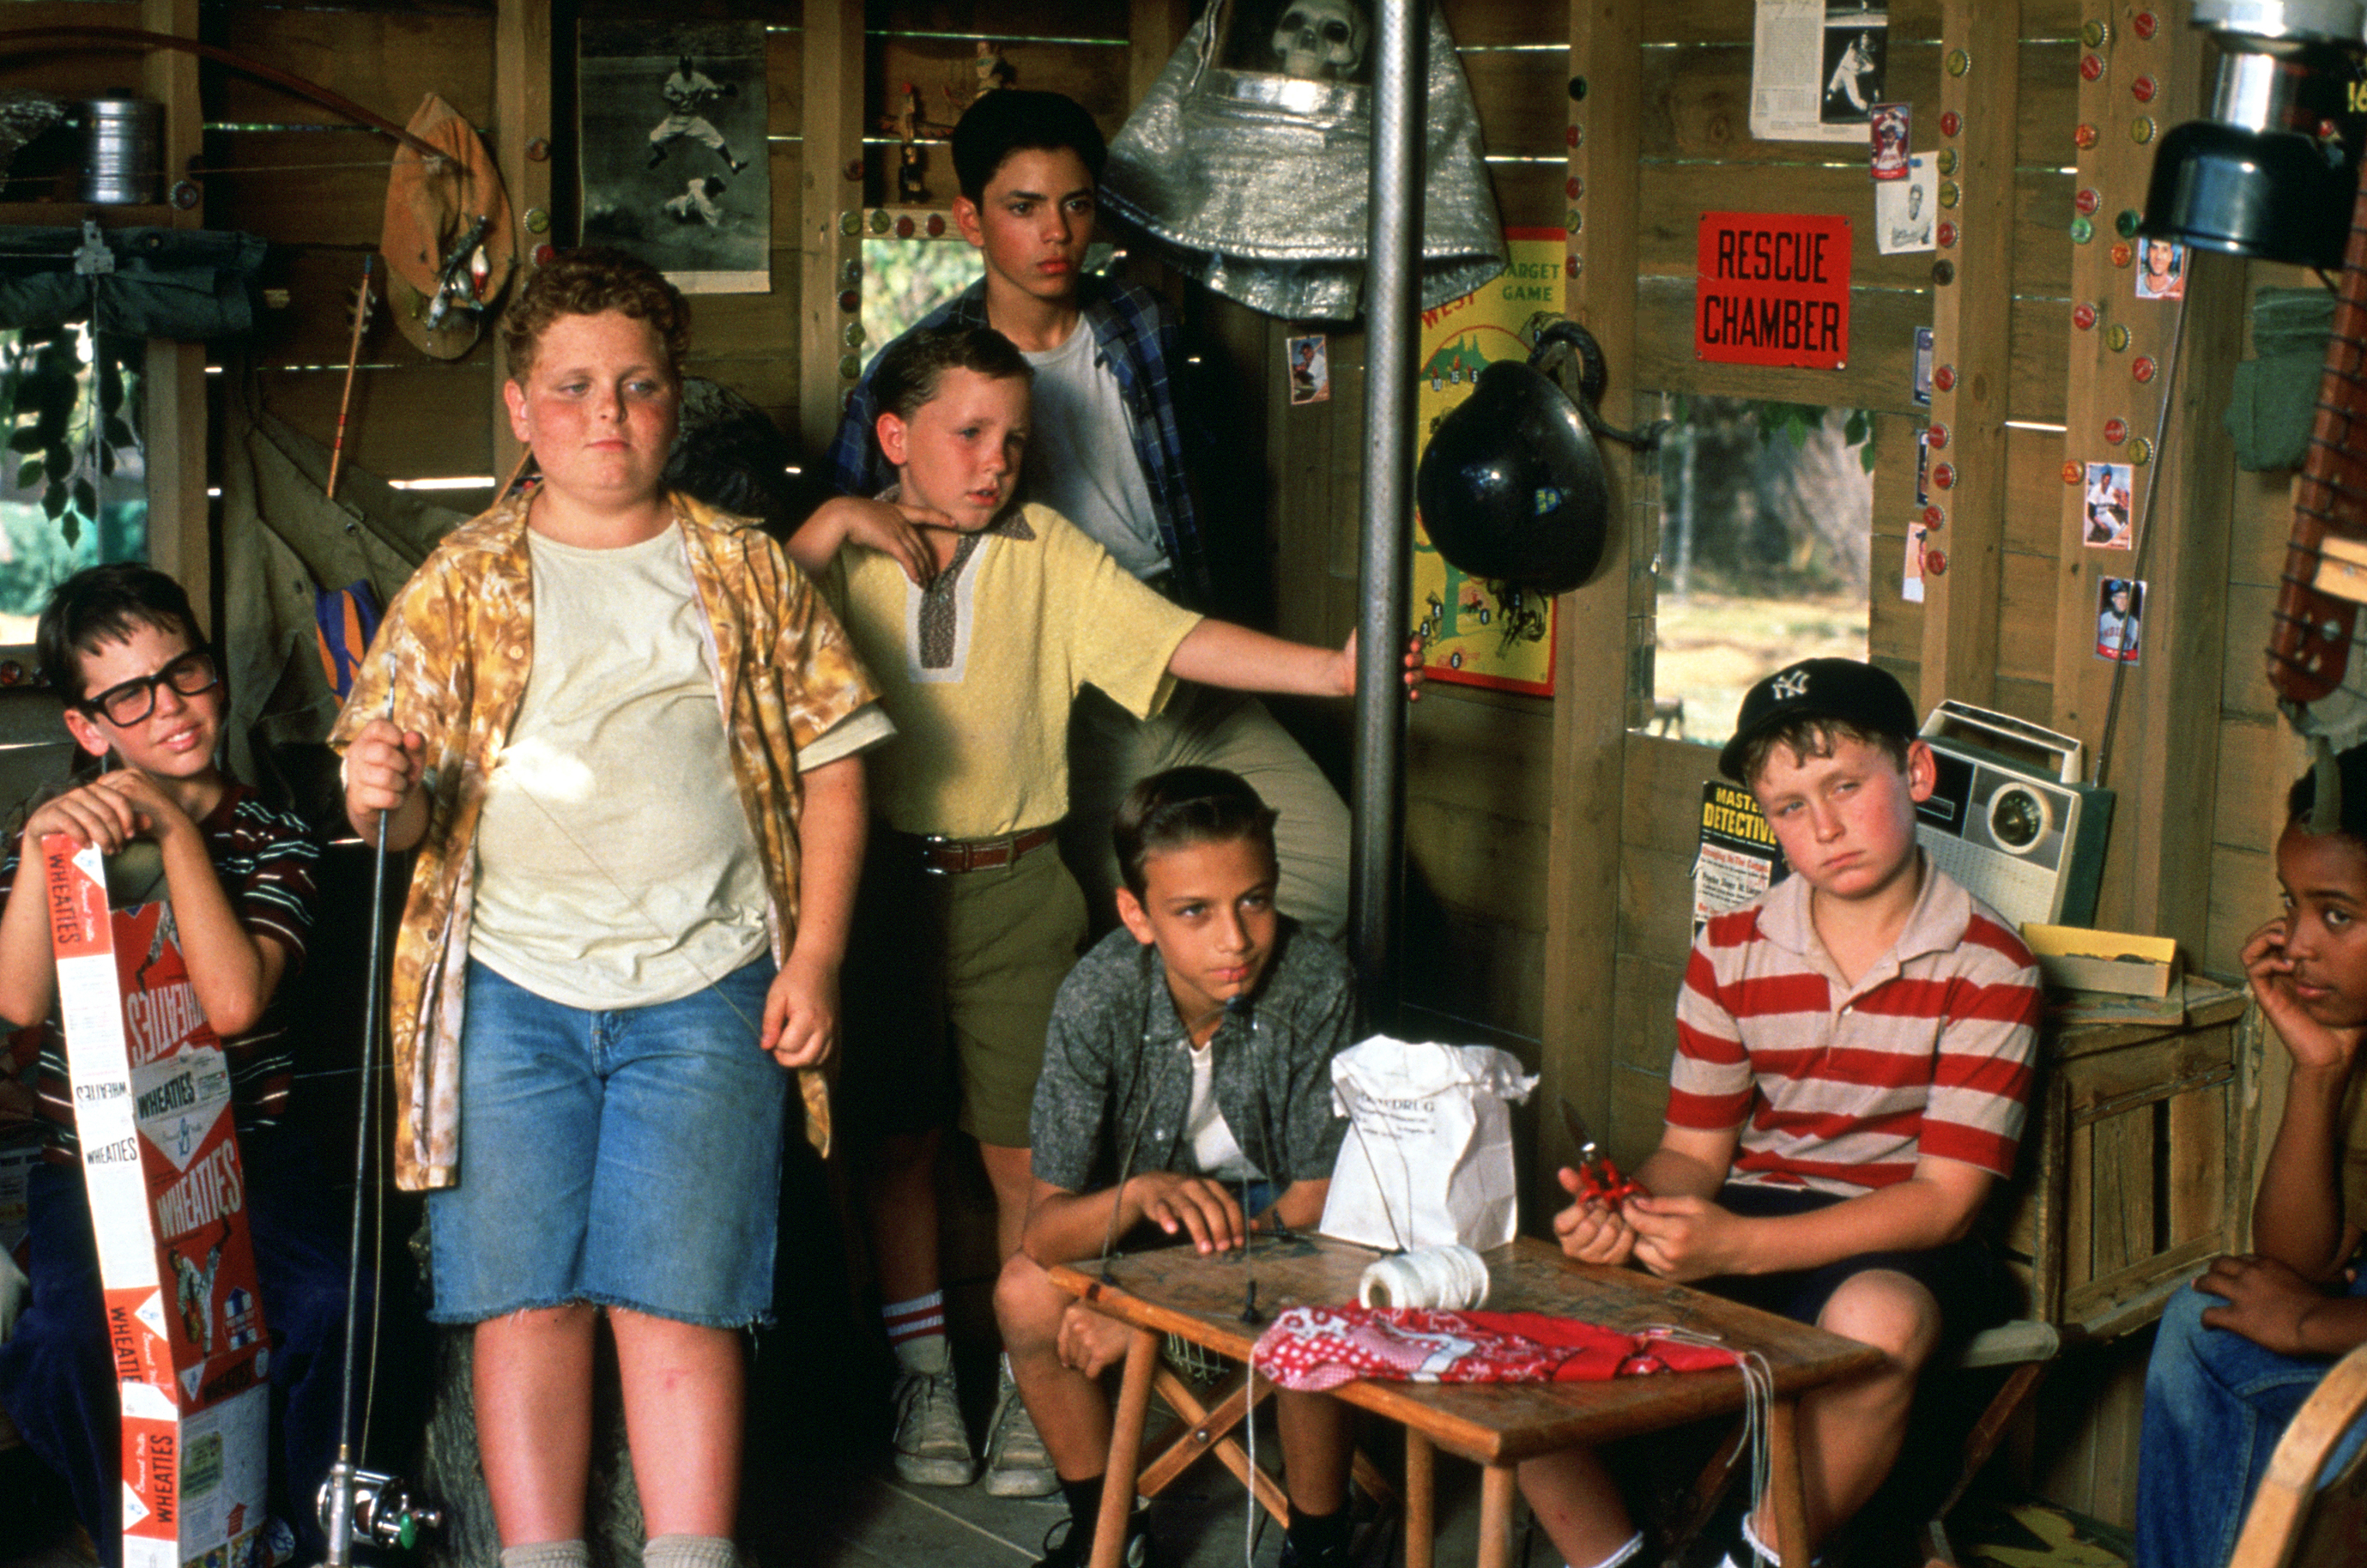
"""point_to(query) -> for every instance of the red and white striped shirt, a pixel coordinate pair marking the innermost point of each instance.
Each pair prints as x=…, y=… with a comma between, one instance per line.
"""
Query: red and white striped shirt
x=1843, y=1087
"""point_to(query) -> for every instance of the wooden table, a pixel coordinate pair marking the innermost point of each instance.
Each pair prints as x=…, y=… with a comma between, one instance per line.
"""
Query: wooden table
x=1175, y=1290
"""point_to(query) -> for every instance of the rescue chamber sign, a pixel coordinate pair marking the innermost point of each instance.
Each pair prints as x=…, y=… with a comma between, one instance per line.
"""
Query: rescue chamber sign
x=1774, y=289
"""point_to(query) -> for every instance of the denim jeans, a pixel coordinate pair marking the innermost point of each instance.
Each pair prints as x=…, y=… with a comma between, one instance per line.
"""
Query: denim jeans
x=2215, y=1404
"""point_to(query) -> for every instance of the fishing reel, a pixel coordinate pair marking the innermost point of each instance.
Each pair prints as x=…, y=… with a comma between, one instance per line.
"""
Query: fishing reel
x=382, y=1511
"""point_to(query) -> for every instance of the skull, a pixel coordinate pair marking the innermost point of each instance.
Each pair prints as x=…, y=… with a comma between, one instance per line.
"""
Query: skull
x=1320, y=41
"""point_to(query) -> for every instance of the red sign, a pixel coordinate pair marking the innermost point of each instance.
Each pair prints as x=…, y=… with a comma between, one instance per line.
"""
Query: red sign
x=1774, y=289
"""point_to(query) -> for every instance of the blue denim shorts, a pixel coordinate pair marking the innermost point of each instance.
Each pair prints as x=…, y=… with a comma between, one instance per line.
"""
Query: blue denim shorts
x=629, y=1157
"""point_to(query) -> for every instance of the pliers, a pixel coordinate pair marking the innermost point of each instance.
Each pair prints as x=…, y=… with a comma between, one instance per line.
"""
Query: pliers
x=1598, y=1176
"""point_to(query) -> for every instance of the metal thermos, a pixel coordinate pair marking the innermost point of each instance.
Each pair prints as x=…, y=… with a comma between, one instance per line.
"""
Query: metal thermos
x=124, y=140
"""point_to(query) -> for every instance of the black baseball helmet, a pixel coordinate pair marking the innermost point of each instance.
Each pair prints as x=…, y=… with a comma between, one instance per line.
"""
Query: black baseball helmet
x=1511, y=486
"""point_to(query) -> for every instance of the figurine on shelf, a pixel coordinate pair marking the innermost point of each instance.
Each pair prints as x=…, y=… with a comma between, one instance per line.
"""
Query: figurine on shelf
x=912, y=184
x=993, y=70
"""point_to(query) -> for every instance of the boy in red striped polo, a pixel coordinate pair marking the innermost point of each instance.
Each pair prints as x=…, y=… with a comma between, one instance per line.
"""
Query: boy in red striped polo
x=1852, y=1066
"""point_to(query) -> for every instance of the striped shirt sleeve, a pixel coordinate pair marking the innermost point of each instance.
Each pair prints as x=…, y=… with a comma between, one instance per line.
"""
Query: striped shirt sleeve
x=1981, y=1078
x=1711, y=1082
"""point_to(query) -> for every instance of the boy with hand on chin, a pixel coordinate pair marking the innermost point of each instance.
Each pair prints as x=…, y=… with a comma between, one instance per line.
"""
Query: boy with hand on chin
x=1852, y=1072
x=967, y=924
x=121, y=644
x=1189, y=1060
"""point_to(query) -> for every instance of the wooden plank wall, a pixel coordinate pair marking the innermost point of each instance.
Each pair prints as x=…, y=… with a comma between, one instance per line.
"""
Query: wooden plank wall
x=1479, y=765
x=2259, y=754
x=1696, y=151
x=1477, y=761
x=315, y=187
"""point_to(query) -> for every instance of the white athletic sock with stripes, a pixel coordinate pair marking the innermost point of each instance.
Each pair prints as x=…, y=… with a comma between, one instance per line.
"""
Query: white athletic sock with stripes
x=916, y=1332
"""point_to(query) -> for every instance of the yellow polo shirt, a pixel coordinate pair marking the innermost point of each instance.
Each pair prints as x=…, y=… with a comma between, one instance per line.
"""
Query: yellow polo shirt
x=979, y=671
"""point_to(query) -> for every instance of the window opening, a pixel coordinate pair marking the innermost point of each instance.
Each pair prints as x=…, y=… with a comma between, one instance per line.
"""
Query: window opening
x=1766, y=525
x=73, y=487
x=904, y=279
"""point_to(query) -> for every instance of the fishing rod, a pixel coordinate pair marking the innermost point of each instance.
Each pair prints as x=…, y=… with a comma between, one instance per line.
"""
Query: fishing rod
x=357, y=1504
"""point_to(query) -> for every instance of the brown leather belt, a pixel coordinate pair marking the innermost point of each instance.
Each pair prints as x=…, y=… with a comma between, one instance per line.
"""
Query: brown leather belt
x=946, y=856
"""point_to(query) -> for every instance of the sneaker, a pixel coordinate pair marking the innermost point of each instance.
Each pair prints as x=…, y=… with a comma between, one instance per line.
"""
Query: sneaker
x=1722, y=1542
x=1073, y=1548
x=1017, y=1464
x=1292, y=1557
x=932, y=1448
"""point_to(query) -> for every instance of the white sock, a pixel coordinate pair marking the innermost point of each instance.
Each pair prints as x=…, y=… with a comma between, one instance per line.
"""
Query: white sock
x=548, y=1554
x=916, y=1332
x=1633, y=1544
x=688, y=1551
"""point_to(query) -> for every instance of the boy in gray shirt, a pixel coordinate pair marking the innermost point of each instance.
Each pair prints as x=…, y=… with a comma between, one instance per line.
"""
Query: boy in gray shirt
x=1189, y=1059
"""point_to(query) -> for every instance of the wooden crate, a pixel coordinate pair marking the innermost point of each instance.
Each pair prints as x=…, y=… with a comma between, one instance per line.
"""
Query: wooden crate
x=2137, y=1164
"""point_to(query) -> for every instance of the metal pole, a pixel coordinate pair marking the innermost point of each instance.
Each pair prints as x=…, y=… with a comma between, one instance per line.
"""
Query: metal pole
x=1392, y=303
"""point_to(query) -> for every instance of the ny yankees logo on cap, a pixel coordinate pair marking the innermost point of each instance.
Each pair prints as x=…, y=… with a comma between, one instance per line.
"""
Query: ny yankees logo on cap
x=1849, y=692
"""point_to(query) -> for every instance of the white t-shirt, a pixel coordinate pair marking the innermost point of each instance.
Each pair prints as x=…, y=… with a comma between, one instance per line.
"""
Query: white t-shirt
x=1080, y=459
x=1214, y=1150
x=578, y=898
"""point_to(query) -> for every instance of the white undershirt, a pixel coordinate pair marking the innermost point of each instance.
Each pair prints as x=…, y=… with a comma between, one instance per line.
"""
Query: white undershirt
x=1214, y=1150
x=1080, y=459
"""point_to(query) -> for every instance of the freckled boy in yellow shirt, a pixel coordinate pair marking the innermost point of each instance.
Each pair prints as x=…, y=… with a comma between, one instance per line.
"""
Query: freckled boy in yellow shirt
x=979, y=635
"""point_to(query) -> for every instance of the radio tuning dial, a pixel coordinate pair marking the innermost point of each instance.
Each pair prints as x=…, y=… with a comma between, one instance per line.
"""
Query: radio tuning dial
x=2018, y=818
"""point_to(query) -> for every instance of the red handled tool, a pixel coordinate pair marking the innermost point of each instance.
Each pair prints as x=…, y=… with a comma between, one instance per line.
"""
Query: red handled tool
x=1598, y=1177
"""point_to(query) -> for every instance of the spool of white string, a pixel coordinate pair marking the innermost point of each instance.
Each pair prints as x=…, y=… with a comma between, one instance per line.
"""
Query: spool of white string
x=1449, y=1278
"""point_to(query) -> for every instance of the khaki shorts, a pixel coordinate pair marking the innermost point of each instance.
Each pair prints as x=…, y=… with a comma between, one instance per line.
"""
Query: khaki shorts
x=949, y=982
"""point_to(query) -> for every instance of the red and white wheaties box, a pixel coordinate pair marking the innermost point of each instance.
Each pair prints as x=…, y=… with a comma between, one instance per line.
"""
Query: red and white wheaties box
x=168, y=1203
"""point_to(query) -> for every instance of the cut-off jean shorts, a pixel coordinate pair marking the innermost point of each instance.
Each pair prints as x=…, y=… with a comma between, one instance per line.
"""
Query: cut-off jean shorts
x=628, y=1157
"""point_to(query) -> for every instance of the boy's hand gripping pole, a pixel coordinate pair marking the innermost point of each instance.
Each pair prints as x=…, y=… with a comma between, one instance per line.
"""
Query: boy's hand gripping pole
x=391, y=1516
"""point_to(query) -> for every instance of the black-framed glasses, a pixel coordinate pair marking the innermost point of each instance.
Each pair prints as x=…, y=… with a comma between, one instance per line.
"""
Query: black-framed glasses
x=134, y=700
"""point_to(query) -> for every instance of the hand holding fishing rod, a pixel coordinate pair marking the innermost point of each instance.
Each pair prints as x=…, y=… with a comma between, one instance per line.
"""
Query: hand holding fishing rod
x=382, y=772
x=383, y=801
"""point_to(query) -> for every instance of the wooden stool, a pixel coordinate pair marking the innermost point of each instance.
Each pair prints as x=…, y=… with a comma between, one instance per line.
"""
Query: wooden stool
x=1203, y=1427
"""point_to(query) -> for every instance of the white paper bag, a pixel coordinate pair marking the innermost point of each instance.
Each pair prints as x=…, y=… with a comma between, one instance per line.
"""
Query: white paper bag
x=1428, y=1159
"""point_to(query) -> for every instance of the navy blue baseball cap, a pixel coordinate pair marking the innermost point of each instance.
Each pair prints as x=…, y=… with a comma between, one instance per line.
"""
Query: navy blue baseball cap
x=1859, y=695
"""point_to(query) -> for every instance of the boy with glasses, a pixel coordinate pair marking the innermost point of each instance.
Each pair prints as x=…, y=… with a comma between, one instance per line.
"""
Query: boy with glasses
x=143, y=690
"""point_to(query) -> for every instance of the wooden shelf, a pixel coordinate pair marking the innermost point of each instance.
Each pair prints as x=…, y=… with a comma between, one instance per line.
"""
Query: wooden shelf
x=70, y=214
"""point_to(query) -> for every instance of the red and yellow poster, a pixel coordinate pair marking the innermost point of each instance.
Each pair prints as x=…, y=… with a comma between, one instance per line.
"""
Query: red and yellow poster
x=168, y=1210
x=1478, y=631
